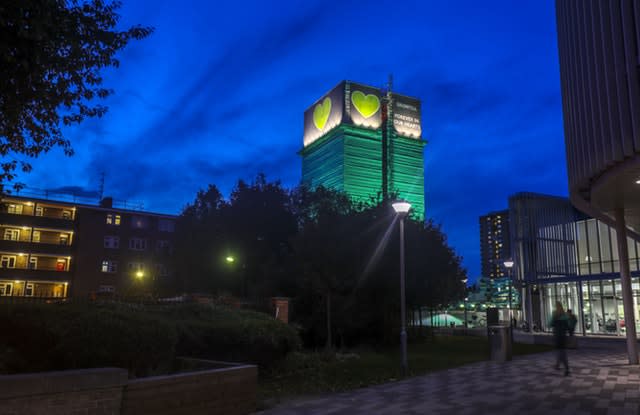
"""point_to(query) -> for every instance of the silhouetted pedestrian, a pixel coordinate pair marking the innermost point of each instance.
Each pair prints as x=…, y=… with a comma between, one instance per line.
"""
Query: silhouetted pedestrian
x=572, y=320
x=560, y=324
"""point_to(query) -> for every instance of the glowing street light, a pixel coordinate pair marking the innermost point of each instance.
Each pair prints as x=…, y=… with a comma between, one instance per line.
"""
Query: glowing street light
x=402, y=209
x=509, y=265
x=139, y=274
x=464, y=281
x=230, y=259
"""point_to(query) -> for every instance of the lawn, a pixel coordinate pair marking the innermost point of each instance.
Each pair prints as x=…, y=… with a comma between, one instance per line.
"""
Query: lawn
x=314, y=373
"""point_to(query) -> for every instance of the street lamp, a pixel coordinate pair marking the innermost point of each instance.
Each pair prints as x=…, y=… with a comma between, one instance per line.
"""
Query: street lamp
x=402, y=209
x=464, y=281
x=509, y=264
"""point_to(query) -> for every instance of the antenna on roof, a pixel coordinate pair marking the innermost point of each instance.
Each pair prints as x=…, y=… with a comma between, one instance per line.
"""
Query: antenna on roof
x=101, y=186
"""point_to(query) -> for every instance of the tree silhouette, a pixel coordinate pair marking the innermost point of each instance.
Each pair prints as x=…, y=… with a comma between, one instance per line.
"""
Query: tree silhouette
x=51, y=55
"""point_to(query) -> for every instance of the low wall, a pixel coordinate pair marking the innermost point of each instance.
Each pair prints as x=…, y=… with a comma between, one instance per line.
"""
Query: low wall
x=230, y=390
x=107, y=391
x=71, y=392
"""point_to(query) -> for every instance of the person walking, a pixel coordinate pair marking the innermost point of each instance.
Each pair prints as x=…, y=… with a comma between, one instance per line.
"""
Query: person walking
x=572, y=321
x=560, y=325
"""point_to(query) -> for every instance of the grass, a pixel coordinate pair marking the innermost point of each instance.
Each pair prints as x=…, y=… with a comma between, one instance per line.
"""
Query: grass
x=314, y=373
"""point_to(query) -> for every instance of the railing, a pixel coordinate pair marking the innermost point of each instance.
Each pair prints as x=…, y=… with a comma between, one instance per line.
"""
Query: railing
x=85, y=198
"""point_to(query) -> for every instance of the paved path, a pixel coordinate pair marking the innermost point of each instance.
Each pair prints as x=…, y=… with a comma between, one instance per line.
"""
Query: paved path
x=601, y=382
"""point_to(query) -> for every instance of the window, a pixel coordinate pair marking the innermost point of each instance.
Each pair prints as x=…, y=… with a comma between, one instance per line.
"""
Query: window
x=113, y=219
x=12, y=234
x=163, y=246
x=61, y=264
x=136, y=266
x=139, y=222
x=64, y=239
x=6, y=289
x=36, y=236
x=137, y=244
x=39, y=210
x=66, y=214
x=166, y=225
x=14, y=208
x=112, y=242
x=8, y=261
x=109, y=266
x=161, y=270
x=106, y=289
x=28, y=290
x=33, y=263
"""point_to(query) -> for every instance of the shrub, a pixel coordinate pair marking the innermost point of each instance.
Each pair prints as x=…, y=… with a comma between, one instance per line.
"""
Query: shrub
x=145, y=340
x=69, y=336
x=234, y=335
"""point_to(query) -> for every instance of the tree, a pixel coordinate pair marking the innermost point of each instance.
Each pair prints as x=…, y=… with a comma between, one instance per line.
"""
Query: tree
x=324, y=248
x=200, y=233
x=51, y=55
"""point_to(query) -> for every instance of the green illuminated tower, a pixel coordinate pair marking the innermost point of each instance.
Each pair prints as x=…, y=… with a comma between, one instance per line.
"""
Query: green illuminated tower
x=365, y=142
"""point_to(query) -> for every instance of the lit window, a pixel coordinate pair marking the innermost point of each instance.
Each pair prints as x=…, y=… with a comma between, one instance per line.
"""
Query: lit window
x=8, y=261
x=61, y=264
x=12, y=234
x=39, y=210
x=36, y=236
x=113, y=219
x=64, y=239
x=109, y=266
x=66, y=214
x=14, y=208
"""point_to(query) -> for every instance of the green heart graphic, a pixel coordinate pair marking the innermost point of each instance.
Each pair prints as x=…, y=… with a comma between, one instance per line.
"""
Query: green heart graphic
x=321, y=113
x=367, y=105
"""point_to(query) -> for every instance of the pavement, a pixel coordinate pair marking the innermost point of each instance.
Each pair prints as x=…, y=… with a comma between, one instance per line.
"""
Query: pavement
x=601, y=382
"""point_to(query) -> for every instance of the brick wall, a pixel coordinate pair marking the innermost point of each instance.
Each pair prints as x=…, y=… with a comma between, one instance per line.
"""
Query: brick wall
x=73, y=392
x=281, y=305
x=230, y=390
x=216, y=391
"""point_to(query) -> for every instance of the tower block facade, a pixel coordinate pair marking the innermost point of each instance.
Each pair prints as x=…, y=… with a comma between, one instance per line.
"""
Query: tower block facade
x=366, y=142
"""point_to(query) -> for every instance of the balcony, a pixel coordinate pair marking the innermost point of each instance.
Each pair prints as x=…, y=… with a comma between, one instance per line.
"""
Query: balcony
x=35, y=221
x=34, y=266
x=34, y=274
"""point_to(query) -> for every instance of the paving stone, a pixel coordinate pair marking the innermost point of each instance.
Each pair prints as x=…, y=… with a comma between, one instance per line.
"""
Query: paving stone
x=601, y=383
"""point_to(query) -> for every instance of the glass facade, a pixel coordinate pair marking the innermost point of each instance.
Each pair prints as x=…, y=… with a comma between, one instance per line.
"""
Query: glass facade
x=561, y=255
x=602, y=310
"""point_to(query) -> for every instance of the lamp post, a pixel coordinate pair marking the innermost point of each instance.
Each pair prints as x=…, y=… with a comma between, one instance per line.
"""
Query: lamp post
x=464, y=281
x=509, y=264
x=402, y=209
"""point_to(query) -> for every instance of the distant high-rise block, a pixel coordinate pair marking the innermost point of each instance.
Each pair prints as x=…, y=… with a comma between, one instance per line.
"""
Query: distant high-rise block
x=367, y=143
x=495, y=243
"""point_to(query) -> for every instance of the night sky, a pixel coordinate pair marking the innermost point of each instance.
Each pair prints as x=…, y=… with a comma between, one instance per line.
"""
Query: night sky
x=218, y=92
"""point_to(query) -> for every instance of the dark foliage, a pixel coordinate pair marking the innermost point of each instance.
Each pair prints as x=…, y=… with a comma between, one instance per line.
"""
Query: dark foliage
x=51, y=55
x=144, y=340
x=339, y=262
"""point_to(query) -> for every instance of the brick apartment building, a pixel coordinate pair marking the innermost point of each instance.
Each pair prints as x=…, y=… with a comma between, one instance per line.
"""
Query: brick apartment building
x=57, y=249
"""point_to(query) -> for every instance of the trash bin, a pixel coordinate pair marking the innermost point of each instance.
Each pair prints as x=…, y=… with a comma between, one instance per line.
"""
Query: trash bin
x=500, y=343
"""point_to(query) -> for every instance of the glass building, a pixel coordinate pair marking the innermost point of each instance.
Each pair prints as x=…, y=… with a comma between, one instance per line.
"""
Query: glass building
x=562, y=255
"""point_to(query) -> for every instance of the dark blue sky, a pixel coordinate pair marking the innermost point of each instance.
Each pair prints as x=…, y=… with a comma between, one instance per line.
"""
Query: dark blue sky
x=218, y=92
